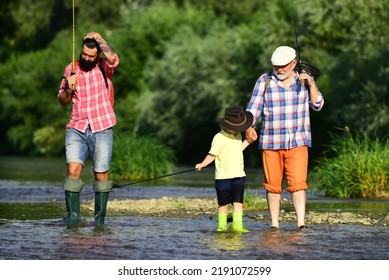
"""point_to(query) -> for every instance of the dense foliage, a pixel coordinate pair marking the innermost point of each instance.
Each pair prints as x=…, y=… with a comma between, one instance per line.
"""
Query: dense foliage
x=356, y=167
x=183, y=61
x=130, y=163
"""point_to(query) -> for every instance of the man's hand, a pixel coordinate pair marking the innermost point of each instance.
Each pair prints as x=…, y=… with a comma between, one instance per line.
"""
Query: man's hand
x=310, y=81
x=251, y=135
x=107, y=50
x=72, y=82
x=92, y=35
x=305, y=77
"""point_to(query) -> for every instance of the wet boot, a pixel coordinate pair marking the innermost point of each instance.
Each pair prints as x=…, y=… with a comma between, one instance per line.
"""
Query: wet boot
x=237, y=222
x=221, y=221
x=102, y=189
x=101, y=200
x=72, y=200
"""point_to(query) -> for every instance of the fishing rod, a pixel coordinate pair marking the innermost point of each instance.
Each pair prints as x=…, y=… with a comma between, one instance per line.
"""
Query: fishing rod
x=154, y=178
x=73, y=36
x=115, y=186
x=73, y=48
x=301, y=66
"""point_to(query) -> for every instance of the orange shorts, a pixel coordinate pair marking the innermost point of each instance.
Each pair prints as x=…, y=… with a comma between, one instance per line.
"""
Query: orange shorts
x=291, y=163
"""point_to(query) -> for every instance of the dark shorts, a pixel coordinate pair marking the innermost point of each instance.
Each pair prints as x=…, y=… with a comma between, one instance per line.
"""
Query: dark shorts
x=230, y=190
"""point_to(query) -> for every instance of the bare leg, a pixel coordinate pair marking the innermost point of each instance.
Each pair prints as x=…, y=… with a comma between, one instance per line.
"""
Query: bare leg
x=101, y=176
x=74, y=170
x=238, y=207
x=222, y=209
x=273, y=201
x=299, y=199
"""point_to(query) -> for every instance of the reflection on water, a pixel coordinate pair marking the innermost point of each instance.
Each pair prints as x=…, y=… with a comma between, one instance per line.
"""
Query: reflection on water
x=86, y=242
x=225, y=241
x=277, y=243
x=31, y=211
x=147, y=238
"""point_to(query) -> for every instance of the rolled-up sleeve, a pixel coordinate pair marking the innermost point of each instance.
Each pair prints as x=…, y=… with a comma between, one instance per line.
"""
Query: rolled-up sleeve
x=318, y=104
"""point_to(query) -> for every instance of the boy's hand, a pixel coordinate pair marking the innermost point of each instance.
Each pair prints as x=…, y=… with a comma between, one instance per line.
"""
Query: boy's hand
x=198, y=167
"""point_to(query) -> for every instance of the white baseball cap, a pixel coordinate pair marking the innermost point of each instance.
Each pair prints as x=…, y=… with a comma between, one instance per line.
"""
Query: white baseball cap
x=283, y=55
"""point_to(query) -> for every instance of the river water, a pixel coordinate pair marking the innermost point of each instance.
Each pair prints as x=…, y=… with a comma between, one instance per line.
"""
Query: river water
x=31, y=228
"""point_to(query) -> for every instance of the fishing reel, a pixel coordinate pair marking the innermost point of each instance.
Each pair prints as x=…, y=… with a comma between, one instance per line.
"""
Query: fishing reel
x=310, y=69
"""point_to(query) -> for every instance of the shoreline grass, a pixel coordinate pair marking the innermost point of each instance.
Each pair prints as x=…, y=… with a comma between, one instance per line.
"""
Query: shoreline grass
x=353, y=167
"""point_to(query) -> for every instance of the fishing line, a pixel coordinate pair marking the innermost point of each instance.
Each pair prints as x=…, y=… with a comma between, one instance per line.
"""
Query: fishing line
x=115, y=186
x=150, y=179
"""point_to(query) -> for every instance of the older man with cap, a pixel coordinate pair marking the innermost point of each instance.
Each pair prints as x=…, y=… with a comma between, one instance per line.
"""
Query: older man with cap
x=280, y=104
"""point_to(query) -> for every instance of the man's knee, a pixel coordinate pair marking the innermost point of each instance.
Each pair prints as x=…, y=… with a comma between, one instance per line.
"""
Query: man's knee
x=272, y=189
x=297, y=187
x=74, y=169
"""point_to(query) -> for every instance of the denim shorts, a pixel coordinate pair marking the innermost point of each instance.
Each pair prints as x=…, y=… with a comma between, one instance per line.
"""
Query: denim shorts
x=79, y=146
x=230, y=190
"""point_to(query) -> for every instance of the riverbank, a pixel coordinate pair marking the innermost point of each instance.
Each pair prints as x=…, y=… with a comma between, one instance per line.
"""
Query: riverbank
x=207, y=207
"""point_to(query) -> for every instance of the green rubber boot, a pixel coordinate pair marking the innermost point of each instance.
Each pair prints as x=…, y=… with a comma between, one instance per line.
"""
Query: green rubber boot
x=101, y=200
x=237, y=222
x=221, y=221
x=102, y=189
x=72, y=188
x=72, y=201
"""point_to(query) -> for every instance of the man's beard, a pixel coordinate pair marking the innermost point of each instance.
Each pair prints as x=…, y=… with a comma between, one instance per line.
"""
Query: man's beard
x=87, y=65
x=283, y=76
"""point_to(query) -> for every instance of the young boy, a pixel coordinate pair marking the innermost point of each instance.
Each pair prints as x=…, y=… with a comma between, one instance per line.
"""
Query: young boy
x=227, y=151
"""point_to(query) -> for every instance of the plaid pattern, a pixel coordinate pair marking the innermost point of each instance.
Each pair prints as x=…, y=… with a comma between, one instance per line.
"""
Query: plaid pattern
x=91, y=103
x=284, y=113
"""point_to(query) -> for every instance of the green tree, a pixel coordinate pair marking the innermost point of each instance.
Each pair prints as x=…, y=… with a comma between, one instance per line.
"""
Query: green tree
x=193, y=58
x=353, y=35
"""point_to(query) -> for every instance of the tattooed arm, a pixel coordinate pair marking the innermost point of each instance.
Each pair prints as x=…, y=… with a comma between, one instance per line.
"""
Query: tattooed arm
x=108, y=51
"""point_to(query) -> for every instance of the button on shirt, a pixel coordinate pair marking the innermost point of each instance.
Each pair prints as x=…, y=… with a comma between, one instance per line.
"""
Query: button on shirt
x=283, y=112
x=91, y=99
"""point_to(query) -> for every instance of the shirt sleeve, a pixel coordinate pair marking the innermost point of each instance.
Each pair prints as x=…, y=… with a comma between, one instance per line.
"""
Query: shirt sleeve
x=108, y=68
x=215, y=146
x=318, y=104
x=66, y=73
x=255, y=105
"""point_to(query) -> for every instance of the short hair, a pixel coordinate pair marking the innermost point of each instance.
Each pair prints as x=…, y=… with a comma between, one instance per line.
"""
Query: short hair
x=91, y=44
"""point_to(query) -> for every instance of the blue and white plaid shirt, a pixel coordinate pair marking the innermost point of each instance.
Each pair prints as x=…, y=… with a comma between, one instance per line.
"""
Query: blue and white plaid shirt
x=283, y=113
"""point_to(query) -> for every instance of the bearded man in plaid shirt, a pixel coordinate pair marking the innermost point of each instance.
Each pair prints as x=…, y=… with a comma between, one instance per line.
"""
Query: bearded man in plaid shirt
x=89, y=131
x=280, y=103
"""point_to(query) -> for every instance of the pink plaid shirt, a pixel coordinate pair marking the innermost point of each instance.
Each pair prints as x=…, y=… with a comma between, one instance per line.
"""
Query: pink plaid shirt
x=90, y=101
